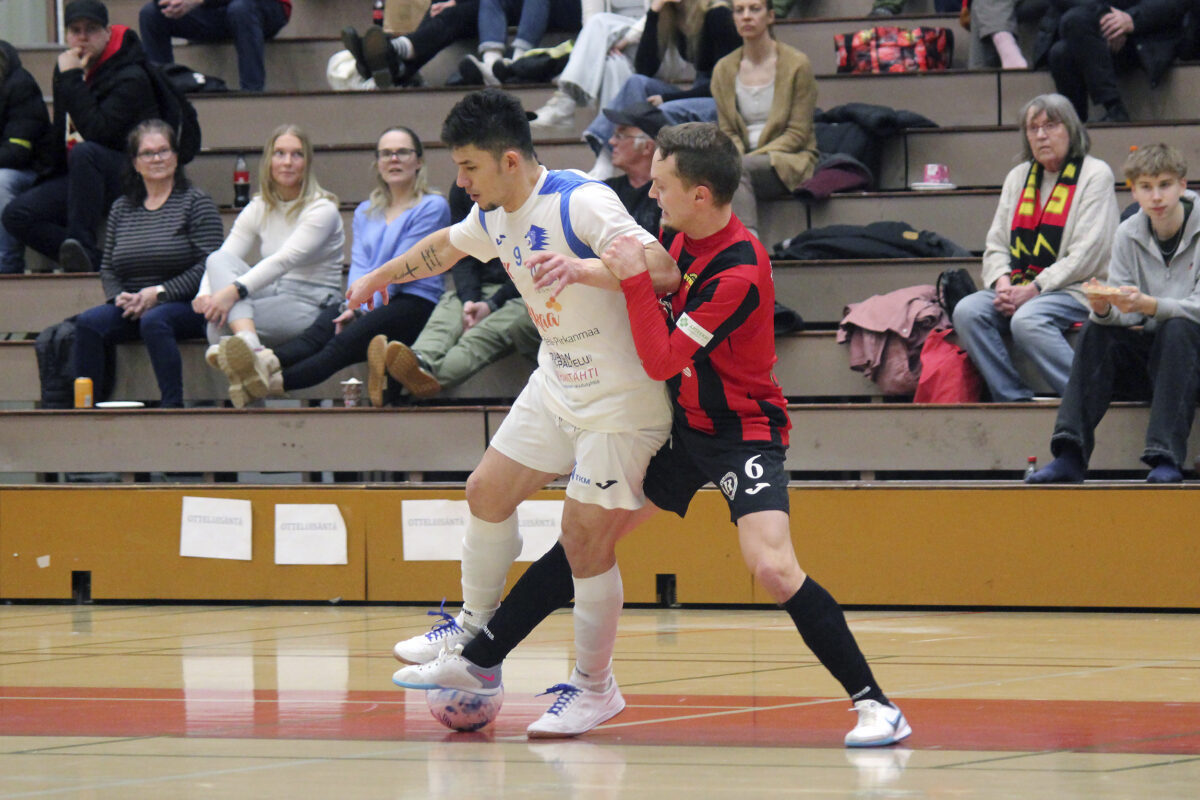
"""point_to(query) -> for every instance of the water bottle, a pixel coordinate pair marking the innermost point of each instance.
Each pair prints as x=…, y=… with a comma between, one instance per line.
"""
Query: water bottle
x=241, y=183
x=1032, y=468
x=377, y=13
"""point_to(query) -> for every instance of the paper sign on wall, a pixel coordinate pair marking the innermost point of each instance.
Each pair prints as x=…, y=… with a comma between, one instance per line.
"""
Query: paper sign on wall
x=309, y=533
x=433, y=529
x=213, y=527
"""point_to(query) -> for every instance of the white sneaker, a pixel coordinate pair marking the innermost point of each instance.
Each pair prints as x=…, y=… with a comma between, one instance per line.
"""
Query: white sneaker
x=558, y=115
x=426, y=647
x=577, y=710
x=450, y=671
x=878, y=725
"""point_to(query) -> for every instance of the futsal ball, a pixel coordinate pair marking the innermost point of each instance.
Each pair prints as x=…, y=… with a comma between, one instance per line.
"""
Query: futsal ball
x=463, y=711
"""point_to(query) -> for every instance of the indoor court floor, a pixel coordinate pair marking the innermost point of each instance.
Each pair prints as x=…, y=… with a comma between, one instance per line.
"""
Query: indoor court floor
x=145, y=701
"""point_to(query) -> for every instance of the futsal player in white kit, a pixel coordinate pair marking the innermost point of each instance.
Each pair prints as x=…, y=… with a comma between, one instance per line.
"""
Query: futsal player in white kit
x=589, y=409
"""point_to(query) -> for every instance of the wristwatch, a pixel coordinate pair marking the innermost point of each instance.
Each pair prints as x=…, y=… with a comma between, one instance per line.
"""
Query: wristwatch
x=241, y=289
x=160, y=294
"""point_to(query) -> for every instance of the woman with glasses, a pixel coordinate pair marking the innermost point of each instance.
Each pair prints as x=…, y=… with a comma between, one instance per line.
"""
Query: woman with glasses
x=160, y=231
x=400, y=211
x=765, y=94
x=1053, y=230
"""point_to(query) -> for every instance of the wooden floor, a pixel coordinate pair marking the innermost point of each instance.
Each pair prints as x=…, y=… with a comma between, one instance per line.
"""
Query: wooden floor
x=295, y=702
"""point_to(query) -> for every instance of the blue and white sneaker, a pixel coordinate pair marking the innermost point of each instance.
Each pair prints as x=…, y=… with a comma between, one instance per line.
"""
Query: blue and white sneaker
x=450, y=671
x=878, y=725
x=426, y=647
x=577, y=710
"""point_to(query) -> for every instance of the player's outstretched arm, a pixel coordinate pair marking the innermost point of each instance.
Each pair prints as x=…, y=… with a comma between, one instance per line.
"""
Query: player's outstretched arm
x=559, y=271
x=432, y=255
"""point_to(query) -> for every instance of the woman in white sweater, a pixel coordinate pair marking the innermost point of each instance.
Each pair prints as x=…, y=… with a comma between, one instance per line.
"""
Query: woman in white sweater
x=295, y=226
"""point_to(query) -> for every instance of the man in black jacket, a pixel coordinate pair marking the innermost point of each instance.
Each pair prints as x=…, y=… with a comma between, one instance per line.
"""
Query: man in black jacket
x=101, y=91
x=24, y=144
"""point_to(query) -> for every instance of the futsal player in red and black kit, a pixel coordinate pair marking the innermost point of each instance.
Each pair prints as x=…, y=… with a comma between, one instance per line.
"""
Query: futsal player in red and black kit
x=715, y=348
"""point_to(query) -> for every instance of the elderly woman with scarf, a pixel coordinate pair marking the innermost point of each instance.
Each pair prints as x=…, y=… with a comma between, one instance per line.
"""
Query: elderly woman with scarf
x=1053, y=230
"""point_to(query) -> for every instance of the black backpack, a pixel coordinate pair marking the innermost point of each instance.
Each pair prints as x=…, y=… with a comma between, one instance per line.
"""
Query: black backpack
x=953, y=285
x=177, y=111
x=53, y=347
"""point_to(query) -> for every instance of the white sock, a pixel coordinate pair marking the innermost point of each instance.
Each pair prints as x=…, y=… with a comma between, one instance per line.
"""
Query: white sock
x=403, y=47
x=1008, y=50
x=250, y=338
x=490, y=57
x=489, y=549
x=598, y=602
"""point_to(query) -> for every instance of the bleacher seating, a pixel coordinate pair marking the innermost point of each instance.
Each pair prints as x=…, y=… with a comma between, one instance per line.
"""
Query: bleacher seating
x=978, y=140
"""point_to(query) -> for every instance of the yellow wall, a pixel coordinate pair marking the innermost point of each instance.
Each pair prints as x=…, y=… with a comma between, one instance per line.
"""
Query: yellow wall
x=1008, y=545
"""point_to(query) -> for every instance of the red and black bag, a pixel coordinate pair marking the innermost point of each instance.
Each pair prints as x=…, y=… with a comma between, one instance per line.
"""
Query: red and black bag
x=887, y=48
x=947, y=374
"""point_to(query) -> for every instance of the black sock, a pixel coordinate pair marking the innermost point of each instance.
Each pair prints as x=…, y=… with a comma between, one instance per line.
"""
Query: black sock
x=544, y=588
x=823, y=627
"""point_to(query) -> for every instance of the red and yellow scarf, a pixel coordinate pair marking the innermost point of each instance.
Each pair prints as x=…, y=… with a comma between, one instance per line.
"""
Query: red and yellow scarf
x=1037, y=230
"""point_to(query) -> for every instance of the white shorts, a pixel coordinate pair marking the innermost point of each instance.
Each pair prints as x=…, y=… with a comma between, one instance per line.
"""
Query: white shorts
x=606, y=469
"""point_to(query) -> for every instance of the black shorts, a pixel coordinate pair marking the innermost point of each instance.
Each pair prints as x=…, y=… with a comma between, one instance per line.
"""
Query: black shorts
x=749, y=474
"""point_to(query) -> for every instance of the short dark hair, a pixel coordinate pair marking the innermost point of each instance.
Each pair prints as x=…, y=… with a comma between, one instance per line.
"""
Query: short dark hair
x=135, y=187
x=492, y=120
x=704, y=156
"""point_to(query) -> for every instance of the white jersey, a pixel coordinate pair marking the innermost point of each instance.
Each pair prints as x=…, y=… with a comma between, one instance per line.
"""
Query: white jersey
x=587, y=362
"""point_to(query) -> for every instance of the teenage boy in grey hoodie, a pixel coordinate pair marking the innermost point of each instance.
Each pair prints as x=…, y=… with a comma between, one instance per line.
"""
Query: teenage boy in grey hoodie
x=1142, y=340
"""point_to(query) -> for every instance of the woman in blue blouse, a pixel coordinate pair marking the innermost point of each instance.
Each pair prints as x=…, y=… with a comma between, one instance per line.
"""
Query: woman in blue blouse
x=401, y=210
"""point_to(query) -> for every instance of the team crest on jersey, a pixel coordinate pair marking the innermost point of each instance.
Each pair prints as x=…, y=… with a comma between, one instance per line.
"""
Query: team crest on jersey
x=729, y=484
x=536, y=237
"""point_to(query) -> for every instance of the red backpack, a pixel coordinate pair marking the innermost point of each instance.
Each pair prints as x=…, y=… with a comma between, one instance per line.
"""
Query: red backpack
x=891, y=49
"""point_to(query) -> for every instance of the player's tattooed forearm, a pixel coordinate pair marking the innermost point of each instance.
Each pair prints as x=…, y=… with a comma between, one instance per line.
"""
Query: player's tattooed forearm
x=430, y=257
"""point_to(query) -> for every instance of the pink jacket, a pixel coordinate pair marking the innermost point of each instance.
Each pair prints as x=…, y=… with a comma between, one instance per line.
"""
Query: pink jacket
x=886, y=332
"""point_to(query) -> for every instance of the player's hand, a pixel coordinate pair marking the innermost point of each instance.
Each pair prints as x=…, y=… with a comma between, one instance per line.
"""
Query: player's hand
x=625, y=257
x=473, y=313
x=363, y=291
x=554, y=271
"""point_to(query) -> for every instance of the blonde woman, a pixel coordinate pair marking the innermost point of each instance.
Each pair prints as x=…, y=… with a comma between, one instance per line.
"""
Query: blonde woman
x=295, y=225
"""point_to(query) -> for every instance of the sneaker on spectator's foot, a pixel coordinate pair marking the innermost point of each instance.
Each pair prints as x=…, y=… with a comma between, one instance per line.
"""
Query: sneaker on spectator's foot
x=475, y=72
x=557, y=116
x=73, y=257
x=878, y=725
x=406, y=365
x=450, y=671
x=377, y=370
x=251, y=368
x=426, y=647
x=577, y=710
x=381, y=58
x=353, y=44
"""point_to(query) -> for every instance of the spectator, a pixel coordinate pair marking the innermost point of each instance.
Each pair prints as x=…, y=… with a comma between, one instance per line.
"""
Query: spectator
x=401, y=210
x=249, y=23
x=608, y=33
x=25, y=144
x=395, y=60
x=1086, y=44
x=532, y=18
x=101, y=91
x=1142, y=340
x=699, y=32
x=1053, y=229
x=160, y=231
x=766, y=94
x=633, y=153
x=295, y=226
x=481, y=320
x=993, y=26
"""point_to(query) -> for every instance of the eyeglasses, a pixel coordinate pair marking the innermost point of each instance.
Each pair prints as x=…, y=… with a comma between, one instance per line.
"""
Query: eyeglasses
x=1046, y=128
x=400, y=153
x=622, y=136
x=155, y=155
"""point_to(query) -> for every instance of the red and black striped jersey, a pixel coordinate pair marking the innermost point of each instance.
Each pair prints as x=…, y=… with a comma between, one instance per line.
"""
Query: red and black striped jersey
x=713, y=341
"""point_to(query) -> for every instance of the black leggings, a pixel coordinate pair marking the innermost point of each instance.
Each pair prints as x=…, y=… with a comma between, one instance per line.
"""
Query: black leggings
x=317, y=353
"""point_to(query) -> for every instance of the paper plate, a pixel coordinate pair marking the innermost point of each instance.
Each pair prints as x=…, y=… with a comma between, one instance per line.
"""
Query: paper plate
x=931, y=187
x=121, y=404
